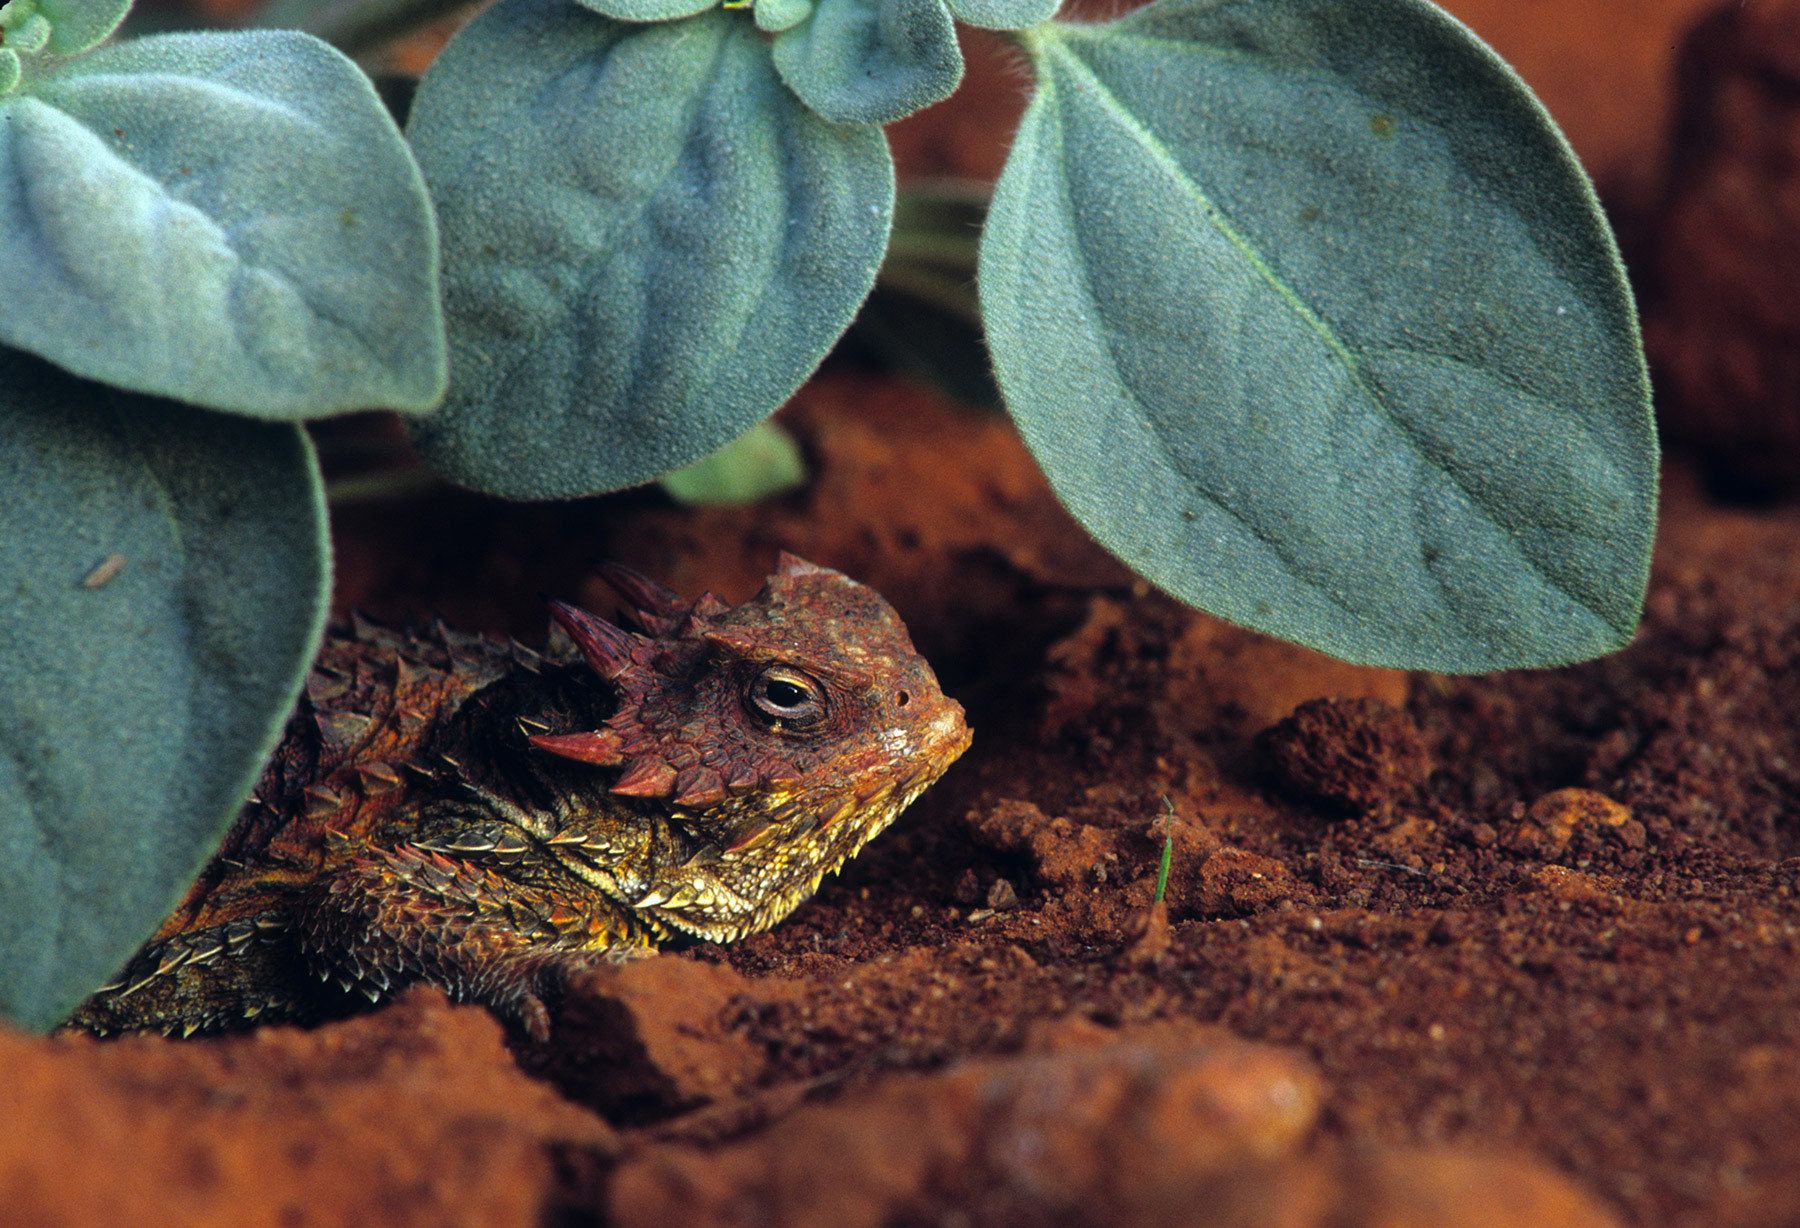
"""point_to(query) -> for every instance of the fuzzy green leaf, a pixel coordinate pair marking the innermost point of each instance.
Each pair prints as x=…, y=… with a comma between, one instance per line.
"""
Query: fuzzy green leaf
x=648, y=10
x=10, y=69
x=32, y=34
x=76, y=25
x=871, y=61
x=1309, y=314
x=166, y=574
x=649, y=243
x=230, y=220
x=774, y=16
x=762, y=462
x=1004, y=14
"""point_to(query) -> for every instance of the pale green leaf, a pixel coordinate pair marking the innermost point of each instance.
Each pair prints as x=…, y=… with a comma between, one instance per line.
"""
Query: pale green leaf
x=774, y=16
x=649, y=243
x=762, y=462
x=1309, y=314
x=1004, y=14
x=649, y=10
x=231, y=220
x=166, y=572
x=76, y=25
x=871, y=61
x=32, y=34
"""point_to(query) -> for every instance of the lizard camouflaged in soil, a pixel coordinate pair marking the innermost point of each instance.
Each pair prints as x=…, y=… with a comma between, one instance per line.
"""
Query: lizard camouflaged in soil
x=474, y=815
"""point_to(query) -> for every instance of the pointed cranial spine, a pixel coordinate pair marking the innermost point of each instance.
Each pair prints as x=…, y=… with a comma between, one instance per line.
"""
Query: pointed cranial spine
x=610, y=651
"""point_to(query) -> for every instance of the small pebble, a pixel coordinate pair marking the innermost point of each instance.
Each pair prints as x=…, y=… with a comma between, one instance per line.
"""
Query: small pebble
x=1553, y=819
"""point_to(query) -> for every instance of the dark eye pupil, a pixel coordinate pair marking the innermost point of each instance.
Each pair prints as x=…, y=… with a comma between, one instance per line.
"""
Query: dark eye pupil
x=784, y=694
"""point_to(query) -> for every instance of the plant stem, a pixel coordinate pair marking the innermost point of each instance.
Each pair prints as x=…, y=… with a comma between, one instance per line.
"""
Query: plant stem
x=379, y=484
x=1167, y=822
x=958, y=252
x=950, y=294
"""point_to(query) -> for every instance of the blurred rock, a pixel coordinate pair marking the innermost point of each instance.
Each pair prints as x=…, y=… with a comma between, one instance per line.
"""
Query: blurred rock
x=1724, y=336
x=1449, y=1187
x=1168, y=1124
x=1174, y=1123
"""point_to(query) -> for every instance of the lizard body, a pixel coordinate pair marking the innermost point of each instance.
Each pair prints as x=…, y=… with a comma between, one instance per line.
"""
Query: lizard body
x=476, y=815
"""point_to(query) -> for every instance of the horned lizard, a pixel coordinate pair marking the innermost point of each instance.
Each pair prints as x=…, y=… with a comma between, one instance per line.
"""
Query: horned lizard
x=482, y=817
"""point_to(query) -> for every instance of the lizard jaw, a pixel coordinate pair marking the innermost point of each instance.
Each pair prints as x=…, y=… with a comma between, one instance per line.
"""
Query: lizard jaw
x=695, y=901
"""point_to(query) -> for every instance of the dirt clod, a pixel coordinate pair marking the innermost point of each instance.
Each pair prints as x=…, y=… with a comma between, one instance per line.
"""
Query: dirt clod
x=647, y=1038
x=415, y=1116
x=1347, y=754
x=1060, y=851
x=1232, y=882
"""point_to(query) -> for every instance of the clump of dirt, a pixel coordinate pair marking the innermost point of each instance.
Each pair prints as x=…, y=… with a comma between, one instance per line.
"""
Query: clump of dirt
x=1554, y=819
x=648, y=1038
x=415, y=1115
x=1354, y=755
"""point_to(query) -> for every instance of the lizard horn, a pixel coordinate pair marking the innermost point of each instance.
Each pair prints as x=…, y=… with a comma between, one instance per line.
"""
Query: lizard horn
x=793, y=565
x=609, y=650
x=658, y=607
x=600, y=747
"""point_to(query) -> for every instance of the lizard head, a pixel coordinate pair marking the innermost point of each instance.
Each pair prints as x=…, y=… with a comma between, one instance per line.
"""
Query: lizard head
x=777, y=737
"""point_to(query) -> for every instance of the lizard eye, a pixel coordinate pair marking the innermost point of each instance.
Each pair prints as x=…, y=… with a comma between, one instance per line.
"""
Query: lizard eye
x=787, y=697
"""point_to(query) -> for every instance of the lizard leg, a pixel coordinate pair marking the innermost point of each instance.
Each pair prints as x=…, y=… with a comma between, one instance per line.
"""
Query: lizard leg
x=502, y=937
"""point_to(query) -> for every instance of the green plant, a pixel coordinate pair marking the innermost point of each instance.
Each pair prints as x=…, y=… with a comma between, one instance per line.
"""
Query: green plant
x=1303, y=305
x=228, y=232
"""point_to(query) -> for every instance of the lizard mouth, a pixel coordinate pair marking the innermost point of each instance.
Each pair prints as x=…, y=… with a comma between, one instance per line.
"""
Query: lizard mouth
x=728, y=895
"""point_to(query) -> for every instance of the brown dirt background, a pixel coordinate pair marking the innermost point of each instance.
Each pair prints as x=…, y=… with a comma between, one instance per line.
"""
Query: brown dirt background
x=1517, y=950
